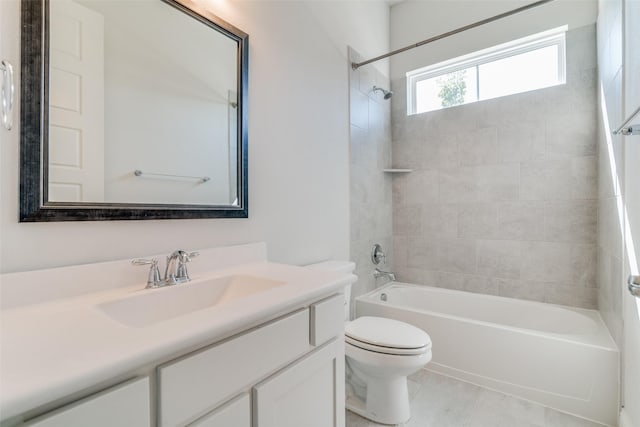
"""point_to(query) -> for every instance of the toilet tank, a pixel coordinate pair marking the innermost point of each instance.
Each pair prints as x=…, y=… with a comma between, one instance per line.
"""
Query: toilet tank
x=346, y=267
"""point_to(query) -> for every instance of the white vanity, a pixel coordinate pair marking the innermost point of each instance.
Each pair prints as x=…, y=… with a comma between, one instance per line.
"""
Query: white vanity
x=246, y=343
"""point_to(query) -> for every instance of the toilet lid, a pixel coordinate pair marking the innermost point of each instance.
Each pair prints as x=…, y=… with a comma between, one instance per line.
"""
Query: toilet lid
x=388, y=333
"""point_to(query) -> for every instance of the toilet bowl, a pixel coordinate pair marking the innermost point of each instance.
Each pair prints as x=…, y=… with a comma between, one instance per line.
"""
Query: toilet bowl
x=379, y=353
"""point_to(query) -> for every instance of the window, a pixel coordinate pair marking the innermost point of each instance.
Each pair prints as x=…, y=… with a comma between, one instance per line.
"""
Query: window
x=530, y=63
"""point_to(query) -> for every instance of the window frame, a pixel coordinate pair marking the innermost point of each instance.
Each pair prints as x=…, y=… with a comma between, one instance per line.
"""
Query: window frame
x=553, y=37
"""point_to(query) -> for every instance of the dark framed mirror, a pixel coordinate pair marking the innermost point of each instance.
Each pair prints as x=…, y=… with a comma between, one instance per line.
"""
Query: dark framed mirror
x=131, y=110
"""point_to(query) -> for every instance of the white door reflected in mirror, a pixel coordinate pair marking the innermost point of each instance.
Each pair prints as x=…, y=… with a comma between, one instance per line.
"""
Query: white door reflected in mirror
x=140, y=85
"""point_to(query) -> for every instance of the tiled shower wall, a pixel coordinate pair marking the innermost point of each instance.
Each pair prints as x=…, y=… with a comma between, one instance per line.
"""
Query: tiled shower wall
x=370, y=192
x=610, y=151
x=503, y=194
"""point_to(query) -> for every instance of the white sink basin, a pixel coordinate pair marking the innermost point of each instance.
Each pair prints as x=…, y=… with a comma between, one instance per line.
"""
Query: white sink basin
x=156, y=305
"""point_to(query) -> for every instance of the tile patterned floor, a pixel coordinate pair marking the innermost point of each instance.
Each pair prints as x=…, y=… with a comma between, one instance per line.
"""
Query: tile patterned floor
x=440, y=401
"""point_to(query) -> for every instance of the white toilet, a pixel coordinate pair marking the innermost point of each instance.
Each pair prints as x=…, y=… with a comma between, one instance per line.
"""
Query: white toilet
x=380, y=354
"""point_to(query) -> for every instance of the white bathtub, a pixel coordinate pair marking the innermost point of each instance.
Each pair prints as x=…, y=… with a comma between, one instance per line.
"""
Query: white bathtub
x=561, y=357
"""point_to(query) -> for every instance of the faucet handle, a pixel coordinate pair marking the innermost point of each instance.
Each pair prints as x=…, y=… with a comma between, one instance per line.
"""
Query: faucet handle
x=153, y=280
x=377, y=255
x=144, y=261
x=182, y=275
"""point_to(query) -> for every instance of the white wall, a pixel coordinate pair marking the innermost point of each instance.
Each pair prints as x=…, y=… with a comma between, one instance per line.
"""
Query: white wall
x=298, y=146
x=413, y=21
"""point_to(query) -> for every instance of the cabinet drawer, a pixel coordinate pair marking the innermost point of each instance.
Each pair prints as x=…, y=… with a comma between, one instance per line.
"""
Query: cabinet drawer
x=236, y=413
x=198, y=383
x=327, y=319
x=126, y=405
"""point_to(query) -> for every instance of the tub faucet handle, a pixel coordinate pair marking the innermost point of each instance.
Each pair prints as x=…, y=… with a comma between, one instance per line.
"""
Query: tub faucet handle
x=377, y=255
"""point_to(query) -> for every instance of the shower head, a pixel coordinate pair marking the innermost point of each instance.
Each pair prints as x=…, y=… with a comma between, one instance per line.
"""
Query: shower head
x=387, y=93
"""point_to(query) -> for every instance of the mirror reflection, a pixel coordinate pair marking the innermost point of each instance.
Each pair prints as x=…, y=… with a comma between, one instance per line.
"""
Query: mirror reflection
x=143, y=106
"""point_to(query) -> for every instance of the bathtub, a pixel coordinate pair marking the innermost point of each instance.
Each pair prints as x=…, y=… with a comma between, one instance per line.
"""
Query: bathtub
x=561, y=357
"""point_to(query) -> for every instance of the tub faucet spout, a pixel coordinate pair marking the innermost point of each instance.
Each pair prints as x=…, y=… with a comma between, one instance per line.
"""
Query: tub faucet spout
x=381, y=273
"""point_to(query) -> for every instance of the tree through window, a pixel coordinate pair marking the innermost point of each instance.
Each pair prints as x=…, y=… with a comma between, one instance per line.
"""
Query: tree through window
x=531, y=63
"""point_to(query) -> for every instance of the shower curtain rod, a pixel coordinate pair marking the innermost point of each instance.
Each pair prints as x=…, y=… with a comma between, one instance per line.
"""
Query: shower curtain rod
x=356, y=65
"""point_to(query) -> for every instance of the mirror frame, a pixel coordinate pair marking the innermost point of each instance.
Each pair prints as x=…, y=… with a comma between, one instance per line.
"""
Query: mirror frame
x=34, y=130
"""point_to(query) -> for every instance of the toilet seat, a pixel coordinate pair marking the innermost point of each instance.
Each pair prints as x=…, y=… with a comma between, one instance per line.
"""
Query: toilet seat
x=387, y=350
x=387, y=336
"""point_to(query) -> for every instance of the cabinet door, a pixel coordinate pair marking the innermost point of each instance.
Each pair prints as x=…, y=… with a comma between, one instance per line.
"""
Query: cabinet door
x=309, y=393
x=126, y=405
x=236, y=413
x=197, y=383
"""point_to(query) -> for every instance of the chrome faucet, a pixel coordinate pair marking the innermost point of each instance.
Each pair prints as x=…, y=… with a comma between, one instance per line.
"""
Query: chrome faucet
x=378, y=257
x=381, y=273
x=175, y=270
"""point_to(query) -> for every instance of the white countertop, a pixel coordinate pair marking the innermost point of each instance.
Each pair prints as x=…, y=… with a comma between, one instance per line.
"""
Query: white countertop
x=55, y=348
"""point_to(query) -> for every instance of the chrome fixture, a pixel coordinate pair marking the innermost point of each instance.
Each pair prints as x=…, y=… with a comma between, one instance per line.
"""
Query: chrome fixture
x=8, y=94
x=377, y=255
x=629, y=130
x=175, y=270
x=634, y=285
x=154, y=280
x=356, y=65
x=138, y=172
x=387, y=93
x=377, y=273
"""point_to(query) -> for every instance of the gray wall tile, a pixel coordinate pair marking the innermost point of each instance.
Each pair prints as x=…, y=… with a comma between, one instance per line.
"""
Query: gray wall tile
x=571, y=221
x=407, y=220
x=547, y=262
x=499, y=258
x=478, y=220
x=524, y=289
x=498, y=182
x=468, y=282
x=478, y=147
x=457, y=255
x=370, y=148
x=584, y=265
x=546, y=180
x=584, y=172
x=570, y=135
x=457, y=185
x=440, y=151
x=420, y=186
x=423, y=253
x=440, y=219
x=521, y=142
x=571, y=295
x=359, y=109
x=521, y=220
